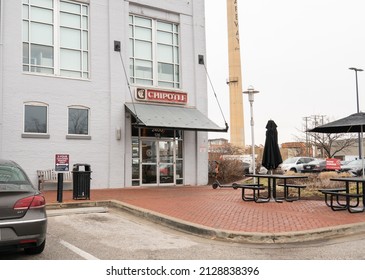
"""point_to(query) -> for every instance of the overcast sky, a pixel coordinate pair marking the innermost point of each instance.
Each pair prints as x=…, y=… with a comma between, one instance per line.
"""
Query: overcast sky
x=297, y=54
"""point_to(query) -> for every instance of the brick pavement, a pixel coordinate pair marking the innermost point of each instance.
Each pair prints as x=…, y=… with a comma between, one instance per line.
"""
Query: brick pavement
x=223, y=209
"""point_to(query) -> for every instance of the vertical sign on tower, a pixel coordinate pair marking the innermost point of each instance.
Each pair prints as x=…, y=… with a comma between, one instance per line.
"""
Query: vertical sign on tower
x=237, y=131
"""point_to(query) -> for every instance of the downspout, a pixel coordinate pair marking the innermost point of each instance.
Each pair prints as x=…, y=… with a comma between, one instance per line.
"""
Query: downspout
x=1, y=77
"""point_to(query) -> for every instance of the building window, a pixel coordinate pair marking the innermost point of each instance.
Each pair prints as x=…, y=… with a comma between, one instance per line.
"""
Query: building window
x=56, y=38
x=35, y=118
x=154, y=52
x=78, y=121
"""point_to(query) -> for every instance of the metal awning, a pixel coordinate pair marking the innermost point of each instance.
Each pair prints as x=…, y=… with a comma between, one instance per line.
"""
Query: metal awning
x=164, y=116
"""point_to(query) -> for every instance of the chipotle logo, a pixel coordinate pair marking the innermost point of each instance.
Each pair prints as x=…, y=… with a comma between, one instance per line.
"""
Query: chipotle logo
x=155, y=95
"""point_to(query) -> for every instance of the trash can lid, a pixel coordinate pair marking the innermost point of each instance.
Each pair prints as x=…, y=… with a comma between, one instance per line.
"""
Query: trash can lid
x=76, y=166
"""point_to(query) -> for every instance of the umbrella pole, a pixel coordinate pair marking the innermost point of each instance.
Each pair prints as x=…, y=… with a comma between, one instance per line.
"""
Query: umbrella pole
x=272, y=188
x=362, y=151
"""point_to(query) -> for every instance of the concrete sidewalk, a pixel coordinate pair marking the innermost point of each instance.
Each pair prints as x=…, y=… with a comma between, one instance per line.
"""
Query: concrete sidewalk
x=221, y=213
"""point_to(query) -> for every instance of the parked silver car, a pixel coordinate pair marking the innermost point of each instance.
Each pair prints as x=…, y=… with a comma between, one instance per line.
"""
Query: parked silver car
x=295, y=164
x=354, y=167
x=23, y=219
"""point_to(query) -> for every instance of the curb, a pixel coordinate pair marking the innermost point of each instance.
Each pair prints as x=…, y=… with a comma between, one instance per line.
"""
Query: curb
x=69, y=211
x=207, y=232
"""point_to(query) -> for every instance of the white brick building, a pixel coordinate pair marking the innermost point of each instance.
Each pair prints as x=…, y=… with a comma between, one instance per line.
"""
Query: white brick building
x=76, y=75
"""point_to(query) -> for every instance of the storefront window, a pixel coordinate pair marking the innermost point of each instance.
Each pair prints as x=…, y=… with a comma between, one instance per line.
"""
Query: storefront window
x=157, y=132
x=179, y=161
x=179, y=172
x=179, y=149
x=135, y=162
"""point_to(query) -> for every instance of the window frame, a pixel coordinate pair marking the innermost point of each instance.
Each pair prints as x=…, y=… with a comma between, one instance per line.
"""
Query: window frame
x=56, y=48
x=34, y=134
x=156, y=62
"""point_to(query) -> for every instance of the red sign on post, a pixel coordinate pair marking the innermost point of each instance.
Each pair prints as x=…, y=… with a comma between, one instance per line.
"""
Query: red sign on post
x=333, y=164
x=62, y=162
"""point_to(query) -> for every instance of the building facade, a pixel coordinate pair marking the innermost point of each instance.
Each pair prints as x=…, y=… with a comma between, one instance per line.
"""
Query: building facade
x=119, y=85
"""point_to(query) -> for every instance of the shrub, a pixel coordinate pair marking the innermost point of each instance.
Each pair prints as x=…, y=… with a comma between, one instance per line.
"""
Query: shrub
x=321, y=180
x=229, y=171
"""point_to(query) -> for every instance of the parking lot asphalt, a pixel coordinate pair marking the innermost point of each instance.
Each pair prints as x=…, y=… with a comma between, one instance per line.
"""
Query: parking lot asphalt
x=222, y=214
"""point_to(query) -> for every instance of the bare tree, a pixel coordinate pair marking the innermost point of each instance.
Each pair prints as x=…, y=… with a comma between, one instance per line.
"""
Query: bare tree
x=331, y=144
x=227, y=149
x=328, y=144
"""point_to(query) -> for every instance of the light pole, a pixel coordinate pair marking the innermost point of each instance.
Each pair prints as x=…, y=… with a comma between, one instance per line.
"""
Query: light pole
x=358, y=105
x=251, y=92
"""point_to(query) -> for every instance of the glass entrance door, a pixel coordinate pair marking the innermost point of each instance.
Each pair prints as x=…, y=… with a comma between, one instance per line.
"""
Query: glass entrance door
x=157, y=162
x=149, y=162
x=166, y=170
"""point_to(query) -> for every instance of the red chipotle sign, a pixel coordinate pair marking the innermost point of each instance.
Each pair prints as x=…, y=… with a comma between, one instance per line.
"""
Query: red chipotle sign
x=162, y=96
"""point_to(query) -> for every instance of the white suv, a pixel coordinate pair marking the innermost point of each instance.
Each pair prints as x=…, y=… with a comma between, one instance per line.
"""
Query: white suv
x=295, y=164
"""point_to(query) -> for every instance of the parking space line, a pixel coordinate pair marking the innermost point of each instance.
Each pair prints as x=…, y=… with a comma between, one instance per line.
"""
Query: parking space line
x=78, y=251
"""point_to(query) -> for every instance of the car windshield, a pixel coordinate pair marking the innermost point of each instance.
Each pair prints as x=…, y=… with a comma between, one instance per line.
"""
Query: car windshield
x=13, y=179
x=290, y=160
x=354, y=163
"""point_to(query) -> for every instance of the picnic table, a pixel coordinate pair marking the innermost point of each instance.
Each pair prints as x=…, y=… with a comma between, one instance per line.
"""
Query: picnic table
x=273, y=185
x=344, y=198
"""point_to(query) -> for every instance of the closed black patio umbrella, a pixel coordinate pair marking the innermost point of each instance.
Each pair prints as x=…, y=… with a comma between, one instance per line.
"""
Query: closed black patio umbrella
x=272, y=156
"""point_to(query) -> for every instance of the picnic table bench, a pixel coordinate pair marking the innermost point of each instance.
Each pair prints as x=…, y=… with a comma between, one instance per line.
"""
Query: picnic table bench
x=287, y=187
x=256, y=188
x=328, y=197
x=345, y=198
x=50, y=176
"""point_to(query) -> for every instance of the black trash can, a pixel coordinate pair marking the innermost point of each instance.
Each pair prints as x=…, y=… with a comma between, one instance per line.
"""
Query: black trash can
x=81, y=176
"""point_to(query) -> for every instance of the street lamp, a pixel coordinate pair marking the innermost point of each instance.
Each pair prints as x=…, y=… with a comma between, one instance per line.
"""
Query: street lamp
x=251, y=92
x=358, y=105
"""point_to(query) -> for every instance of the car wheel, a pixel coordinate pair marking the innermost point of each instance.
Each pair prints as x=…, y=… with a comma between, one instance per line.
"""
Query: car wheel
x=35, y=250
x=294, y=170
